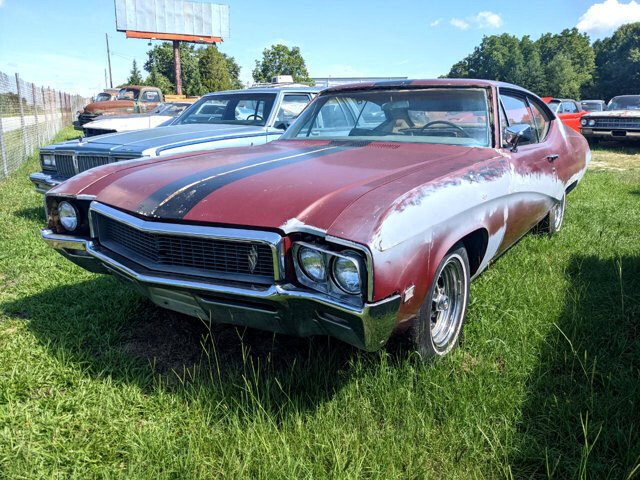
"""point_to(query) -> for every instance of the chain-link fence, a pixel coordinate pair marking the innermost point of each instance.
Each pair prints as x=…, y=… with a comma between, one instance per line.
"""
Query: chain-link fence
x=30, y=116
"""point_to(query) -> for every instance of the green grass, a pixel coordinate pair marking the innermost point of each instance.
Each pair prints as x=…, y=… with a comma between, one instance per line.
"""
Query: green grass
x=95, y=382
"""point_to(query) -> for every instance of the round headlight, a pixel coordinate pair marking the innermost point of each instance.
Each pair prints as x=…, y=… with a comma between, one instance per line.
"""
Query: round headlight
x=346, y=273
x=68, y=216
x=312, y=264
x=583, y=122
x=592, y=122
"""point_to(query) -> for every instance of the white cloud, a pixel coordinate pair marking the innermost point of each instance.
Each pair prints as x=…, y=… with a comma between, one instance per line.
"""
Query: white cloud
x=605, y=17
x=435, y=23
x=459, y=23
x=488, y=20
x=485, y=19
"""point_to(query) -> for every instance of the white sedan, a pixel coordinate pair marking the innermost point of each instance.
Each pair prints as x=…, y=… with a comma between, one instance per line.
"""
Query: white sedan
x=123, y=123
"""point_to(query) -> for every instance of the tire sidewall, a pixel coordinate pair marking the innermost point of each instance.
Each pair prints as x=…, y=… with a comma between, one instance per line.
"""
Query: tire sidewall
x=422, y=335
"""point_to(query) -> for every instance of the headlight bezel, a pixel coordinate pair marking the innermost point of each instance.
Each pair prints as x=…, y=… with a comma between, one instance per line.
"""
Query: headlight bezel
x=352, y=258
x=592, y=122
x=76, y=216
x=47, y=161
x=330, y=285
x=583, y=122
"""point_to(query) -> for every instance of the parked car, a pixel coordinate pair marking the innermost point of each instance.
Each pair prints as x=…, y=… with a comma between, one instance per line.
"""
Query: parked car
x=138, y=121
x=569, y=111
x=107, y=94
x=593, y=105
x=130, y=99
x=217, y=120
x=621, y=120
x=366, y=219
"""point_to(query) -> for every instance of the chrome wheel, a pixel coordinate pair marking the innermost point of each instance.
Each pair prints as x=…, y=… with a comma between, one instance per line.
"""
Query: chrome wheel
x=448, y=303
x=558, y=214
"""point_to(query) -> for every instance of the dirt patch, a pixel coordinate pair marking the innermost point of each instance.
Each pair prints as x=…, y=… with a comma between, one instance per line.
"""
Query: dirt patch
x=172, y=342
x=616, y=158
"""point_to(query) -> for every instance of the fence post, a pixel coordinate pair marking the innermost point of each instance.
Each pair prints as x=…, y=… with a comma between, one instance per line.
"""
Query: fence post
x=35, y=113
x=3, y=152
x=22, y=125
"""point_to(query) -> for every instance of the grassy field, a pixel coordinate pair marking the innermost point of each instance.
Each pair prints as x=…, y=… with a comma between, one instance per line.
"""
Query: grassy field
x=95, y=382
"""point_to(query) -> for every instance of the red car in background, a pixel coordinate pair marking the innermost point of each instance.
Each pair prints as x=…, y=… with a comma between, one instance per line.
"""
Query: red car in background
x=567, y=110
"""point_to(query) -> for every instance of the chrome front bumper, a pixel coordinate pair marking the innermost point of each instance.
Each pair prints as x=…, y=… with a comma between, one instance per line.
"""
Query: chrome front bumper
x=43, y=182
x=281, y=308
x=613, y=134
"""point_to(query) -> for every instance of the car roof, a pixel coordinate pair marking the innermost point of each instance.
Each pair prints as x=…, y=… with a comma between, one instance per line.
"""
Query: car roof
x=268, y=90
x=417, y=83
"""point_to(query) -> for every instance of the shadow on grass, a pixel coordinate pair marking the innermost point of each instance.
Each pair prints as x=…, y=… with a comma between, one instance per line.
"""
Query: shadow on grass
x=32, y=213
x=582, y=415
x=103, y=326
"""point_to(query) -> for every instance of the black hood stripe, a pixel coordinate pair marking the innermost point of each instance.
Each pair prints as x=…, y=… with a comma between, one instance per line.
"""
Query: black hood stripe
x=181, y=202
x=150, y=204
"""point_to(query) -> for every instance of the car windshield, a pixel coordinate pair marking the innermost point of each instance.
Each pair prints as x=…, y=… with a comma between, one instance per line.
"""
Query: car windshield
x=554, y=105
x=250, y=108
x=454, y=116
x=592, y=106
x=128, y=94
x=103, y=97
x=632, y=102
x=169, y=109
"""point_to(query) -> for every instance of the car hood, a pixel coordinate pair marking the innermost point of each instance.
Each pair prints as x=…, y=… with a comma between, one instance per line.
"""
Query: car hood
x=282, y=185
x=110, y=105
x=137, y=141
x=616, y=113
x=127, y=122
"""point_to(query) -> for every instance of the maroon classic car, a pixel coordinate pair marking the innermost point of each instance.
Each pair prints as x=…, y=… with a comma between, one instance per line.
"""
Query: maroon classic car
x=369, y=217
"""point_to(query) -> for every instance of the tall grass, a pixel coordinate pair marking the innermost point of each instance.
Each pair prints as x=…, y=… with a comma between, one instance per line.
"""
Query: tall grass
x=95, y=382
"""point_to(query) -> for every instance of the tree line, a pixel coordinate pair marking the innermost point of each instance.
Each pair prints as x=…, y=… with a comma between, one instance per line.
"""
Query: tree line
x=206, y=69
x=559, y=65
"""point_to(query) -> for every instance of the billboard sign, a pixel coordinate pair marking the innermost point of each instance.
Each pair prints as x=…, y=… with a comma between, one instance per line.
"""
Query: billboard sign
x=188, y=18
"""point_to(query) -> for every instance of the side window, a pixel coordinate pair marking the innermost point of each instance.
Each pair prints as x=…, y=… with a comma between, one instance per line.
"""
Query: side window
x=291, y=107
x=151, y=96
x=541, y=121
x=332, y=119
x=569, y=107
x=518, y=112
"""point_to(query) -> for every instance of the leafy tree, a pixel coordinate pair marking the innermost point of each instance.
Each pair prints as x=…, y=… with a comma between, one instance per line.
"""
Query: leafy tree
x=498, y=57
x=203, y=69
x=534, y=75
x=281, y=60
x=135, y=77
x=161, y=57
x=156, y=79
x=618, y=63
x=574, y=68
x=214, y=70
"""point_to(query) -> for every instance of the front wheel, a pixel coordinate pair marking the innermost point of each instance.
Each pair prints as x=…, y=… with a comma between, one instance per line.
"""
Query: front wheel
x=437, y=329
x=552, y=223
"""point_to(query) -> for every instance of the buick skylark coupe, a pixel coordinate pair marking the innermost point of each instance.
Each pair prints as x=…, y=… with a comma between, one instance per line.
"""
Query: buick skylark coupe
x=368, y=218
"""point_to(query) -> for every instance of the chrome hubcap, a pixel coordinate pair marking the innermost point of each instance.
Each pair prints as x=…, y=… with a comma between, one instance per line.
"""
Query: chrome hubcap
x=558, y=213
x=448, y=303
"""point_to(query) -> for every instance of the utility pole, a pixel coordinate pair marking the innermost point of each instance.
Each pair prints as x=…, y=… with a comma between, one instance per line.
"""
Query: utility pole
x=109, y=60
x=178, y=67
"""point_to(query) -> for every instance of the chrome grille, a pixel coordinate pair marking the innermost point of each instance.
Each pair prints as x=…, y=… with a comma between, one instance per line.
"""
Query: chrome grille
x=85, y=162
x=189, y=255
x=619, y=122
x=64, y=165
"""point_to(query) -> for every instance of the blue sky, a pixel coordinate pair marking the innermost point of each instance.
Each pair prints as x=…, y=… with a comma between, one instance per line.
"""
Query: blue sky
x=61, y=43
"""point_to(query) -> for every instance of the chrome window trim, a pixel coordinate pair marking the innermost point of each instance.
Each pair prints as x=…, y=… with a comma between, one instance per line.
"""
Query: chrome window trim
x=272, y=240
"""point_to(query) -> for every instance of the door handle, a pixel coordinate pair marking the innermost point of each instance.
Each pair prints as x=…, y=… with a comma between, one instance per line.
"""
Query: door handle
x=553, y=157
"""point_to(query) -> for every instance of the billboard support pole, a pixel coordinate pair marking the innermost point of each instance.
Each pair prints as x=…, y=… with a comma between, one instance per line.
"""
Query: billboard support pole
x=178, y=66
x=109, y=60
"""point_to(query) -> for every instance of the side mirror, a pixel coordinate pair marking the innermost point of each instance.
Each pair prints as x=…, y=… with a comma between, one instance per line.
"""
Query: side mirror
x=517, y=134
x=281, y=125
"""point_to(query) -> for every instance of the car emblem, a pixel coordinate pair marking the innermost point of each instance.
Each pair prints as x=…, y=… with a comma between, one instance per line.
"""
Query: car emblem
x=253, y=258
